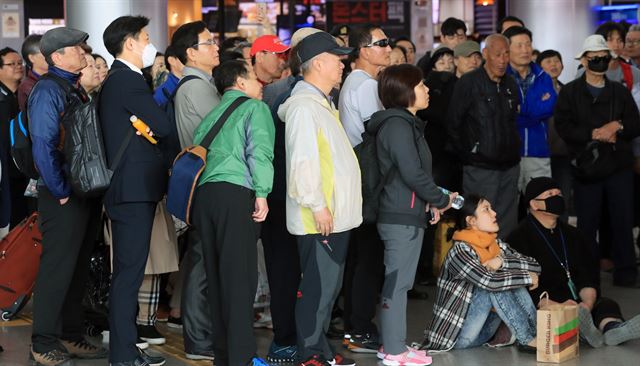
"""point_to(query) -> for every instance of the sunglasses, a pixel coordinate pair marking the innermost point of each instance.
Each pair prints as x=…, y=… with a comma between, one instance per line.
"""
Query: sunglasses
x=281, y=55
x=381, y=43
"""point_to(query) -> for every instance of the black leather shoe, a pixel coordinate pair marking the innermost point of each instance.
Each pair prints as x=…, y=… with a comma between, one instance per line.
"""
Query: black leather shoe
x=525, y=348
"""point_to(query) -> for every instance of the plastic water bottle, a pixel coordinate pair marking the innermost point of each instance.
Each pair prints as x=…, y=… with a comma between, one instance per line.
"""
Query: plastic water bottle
x=457, y=202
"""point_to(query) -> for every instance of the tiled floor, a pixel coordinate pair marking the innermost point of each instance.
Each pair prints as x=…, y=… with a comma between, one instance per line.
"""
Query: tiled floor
x=14, y=337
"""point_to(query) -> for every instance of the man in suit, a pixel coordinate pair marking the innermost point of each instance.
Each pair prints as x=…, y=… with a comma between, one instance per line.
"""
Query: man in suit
x=68, y=222
x=139, y=180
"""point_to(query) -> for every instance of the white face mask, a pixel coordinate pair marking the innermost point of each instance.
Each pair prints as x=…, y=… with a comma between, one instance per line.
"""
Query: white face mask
x=148, y=55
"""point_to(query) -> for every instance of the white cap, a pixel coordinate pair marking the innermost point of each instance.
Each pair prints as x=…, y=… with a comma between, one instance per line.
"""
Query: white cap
x=301, y=34
x=593, y=43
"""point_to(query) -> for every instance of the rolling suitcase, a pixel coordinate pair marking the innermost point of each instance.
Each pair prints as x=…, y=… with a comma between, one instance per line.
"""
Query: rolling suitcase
x=19, y=261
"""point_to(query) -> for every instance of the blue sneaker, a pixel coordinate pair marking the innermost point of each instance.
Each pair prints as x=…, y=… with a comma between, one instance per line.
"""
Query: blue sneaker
x=257, y=361
x=282, y=354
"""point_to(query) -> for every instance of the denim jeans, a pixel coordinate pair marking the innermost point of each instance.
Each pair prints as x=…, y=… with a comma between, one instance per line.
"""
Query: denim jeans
x=514, y=307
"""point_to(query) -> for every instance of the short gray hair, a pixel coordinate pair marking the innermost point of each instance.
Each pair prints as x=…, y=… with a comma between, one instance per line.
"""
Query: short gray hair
x=50, y=60
x=634, y=28
x=305, y=67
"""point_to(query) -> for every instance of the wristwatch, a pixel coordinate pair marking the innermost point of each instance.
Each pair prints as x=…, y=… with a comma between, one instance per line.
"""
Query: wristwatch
x=621, y=128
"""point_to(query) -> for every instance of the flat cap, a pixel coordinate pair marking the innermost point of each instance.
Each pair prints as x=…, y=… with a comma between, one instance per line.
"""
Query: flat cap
x=57, y=38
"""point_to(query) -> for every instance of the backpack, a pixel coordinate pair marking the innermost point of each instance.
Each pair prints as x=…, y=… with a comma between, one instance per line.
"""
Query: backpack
x=83, y=148
x=189, y=165
x=21, y=146
x=169, y=108
x=372, y=181
x=20, y=137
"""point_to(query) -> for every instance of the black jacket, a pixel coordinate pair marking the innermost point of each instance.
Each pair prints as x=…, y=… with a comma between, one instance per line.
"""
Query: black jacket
x=401, y=145
x=142, y=173
x=578, y=113
x=526, y=239
x=482, y=117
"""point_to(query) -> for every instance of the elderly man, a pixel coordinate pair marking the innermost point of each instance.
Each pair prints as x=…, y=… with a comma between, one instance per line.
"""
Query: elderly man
x=324, y=200
x=537, y=99
x=483, y=131
x=268, y=57
x=597, y=119
x=558, y=247
x=68, y=222
x=632, y=45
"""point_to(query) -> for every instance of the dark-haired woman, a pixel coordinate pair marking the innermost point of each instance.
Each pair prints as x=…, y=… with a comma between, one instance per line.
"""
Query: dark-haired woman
x=409, y=194
x=483, y=282
x=101, y=66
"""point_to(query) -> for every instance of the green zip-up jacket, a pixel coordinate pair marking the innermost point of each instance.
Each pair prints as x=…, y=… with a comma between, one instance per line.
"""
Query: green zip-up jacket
x=242, y=153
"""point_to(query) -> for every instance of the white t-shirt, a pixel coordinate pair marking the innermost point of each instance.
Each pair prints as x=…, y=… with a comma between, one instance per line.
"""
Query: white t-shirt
x=358, y=101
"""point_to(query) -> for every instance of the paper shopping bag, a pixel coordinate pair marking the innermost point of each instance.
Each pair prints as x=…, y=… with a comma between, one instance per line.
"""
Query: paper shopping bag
x=557, y=333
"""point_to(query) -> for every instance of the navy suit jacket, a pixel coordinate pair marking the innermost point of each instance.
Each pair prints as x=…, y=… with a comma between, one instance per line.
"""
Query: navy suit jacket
x=142, y=173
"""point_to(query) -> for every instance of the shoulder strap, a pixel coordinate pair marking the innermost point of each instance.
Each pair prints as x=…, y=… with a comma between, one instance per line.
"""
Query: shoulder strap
x=64, y=84
x=182, y=81
x=211, y=135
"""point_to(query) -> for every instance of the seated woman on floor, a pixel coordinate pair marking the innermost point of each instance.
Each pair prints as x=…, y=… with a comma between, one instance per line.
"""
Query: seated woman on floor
x=483, y=282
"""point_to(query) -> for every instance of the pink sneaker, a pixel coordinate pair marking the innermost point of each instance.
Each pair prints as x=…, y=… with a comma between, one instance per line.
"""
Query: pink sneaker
x=381, y=353
x=409, y=358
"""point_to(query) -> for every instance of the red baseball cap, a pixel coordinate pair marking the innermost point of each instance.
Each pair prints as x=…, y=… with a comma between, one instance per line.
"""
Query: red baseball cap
x=269, y=43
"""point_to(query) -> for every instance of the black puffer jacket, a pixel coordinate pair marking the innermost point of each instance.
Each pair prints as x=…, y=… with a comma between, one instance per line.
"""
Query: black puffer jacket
x=577, y=113
x=401, y=146
x=482, y=116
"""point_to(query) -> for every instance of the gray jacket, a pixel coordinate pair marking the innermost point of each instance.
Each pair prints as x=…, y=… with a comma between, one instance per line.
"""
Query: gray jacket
x=401, y=146
x=193, y=101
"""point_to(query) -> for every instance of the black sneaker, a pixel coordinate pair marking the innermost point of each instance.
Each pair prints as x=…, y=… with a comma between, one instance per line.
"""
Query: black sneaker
x=175, y=323
x=363, y=343
x=150, y=334
x=142, y=344
x=152, y=360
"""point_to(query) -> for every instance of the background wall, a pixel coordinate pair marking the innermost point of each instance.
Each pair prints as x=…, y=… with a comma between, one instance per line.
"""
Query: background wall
x=8, y=9
x=561, y=25
x=95, y=15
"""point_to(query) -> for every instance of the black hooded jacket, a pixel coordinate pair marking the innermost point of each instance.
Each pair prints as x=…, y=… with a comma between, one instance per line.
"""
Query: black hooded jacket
x=401, y=145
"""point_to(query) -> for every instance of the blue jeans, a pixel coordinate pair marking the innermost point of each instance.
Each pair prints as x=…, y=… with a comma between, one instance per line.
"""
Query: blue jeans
x=514, y=307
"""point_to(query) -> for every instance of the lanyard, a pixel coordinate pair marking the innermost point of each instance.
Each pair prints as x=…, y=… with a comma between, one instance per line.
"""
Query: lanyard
x=564, y=264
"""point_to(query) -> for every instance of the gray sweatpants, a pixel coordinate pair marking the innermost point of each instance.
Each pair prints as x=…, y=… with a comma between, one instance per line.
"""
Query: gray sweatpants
x=402, y=244
x=500, y=187
x=322, y=261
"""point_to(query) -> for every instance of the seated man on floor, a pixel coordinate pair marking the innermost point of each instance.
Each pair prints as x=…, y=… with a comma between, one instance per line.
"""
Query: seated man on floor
x=566, y=277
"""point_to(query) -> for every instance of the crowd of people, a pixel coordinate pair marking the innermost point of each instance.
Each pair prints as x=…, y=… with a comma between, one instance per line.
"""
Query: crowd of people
x=287, y=183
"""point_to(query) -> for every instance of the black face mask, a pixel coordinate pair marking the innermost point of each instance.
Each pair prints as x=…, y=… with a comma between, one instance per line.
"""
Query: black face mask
x=599, y=64
x=554, y=205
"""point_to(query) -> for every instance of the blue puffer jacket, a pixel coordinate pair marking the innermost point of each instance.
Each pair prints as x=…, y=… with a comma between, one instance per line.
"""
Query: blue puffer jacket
x=45, y=107
x=535, y=113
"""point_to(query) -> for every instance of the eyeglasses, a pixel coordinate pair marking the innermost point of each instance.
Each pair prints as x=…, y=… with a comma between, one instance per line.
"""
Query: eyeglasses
x=14, y=64
x=634, y=42
x=381, y=43
x=209, y=42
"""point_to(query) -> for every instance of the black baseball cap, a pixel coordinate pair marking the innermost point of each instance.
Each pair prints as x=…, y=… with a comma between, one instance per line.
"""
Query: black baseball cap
x=57, y=38
x=318, y=43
